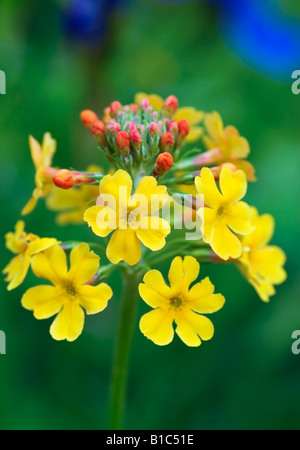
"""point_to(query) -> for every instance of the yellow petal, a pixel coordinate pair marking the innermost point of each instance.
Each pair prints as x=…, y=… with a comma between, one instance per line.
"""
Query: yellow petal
x=264, y=230
x=192, y=327
x=60, y=199
x=36, y=152
x=208, y=219
x=51, y=265
x=154, y=291
x=214, y=125
x=224, y=243
x=29, y=207
x=69, y=322
x=153, y=232
x=84, y=264
x=182, y=273
x=155, y=196
x=207, y=187
x=124, y=246
x=238, y=218
x=72, y=217
x=247, y=168
x=155, y=100
x=102, y=220
x=201, y=298
x=190, y=114
x=17, y=270
x=269, y=261
x=39, y=245
x=44, y=301
x=157, y=326
x=233, y=184
x=94, y=298
x=48, y=149
x=119, y=186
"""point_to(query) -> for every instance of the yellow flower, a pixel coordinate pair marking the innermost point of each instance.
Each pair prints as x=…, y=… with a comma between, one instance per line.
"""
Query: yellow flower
x=42, y=159
x=69, y=293
x=179, y=303
x=189, y=113
x=151, y=230
x=224, y=211
x=262, y=264
x=73, y=202
x=25, y=246
x=234, y=147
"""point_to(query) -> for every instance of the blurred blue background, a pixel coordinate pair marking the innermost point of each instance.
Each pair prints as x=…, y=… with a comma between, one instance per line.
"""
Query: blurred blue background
x=234, y=57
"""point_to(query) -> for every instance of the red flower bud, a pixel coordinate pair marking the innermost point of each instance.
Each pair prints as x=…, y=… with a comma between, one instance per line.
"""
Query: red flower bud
x=136, y=137
x=131, y=126
x=183, y=128
x=88, y=117
x=123, y=142
x=153, y=129
x=173, y=127
x=115, y=107
x=66, y=179
x=164, y=163
x=166, y=141
x=98, y=130
x=171, y=103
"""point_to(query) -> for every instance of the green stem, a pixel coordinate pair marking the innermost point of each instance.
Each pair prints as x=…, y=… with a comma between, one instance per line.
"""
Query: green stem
x=122, y=351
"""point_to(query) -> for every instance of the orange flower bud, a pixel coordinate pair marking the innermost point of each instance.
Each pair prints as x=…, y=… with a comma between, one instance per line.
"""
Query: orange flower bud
x=88, y=117
x=183, y=128
x=98, y=128
x=136, y=137
x=123, y=142
x=173, y=127
x=66, y=179
x=171, y=103
x=134, y=107
x=166, y=141
x=164, y=163
x=115, y=107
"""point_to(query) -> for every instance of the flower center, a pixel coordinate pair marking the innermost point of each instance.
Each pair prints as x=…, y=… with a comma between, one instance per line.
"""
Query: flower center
x=220, y=211
x=70, y=290
x=175, y=302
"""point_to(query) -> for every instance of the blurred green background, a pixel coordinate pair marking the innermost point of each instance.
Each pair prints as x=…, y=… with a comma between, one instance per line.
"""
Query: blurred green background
x=247, y=376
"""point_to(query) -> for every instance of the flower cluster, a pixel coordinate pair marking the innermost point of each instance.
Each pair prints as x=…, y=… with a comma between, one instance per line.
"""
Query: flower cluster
x=155, y=182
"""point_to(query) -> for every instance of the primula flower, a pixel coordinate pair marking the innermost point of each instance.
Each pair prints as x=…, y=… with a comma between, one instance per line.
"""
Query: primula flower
x=151, y=230
x=262, y=264
x=234, y=148
x=69, y=293
x=179, y=303
x=72, y=203
x=189, y=113
x=224, y=213
x=25, y=246
x=42, y=160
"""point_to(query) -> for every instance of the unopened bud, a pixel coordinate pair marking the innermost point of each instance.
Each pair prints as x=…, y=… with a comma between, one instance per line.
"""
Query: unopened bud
x=164, y=163
x=66, y=179
x=123, y=142
x=131, y=126
x=183, y=128
x=136, y=138
x=144, y=103
x=173, y=127
x=134, y=107
x=153, y=129
x=115, y=107
x=166, y=142
x=88, y=117
x=171, y=103
x=98, y=130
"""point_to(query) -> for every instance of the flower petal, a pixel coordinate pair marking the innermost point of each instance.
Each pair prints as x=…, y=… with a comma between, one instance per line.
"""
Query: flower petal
x=201, y=298
x=224, y=243
x=207, y=187
x=238, y=218
x=189, y=113
x=119, y=186
x=182, y=273
x=214, y=125
x=233, y=184
x=44, y=301
x=51, y=265
x=195, y=134
x=192, y=327
x=84, y=264
x=124, y=246
x=69, y=322
x=40, y=245
x=48, y=149
x=155, y=100
x=17, y=270
x=100, y=227
x=153, y=232
x=154, y=291
x=155, y=196
x=94, y=298
x=157, y=326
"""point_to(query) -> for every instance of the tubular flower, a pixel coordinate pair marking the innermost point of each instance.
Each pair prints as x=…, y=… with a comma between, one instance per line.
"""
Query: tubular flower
x=179, y=303
x=24, y=246
x=132, y=223
x=224, y=213
x=72, y=203
x=234, y=148
x=42, y=160
x=189, y=113
x=262, y=264
x=69, y=293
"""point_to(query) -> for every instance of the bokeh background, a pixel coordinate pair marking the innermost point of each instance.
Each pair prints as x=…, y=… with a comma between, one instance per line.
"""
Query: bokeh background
x=235, y=57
